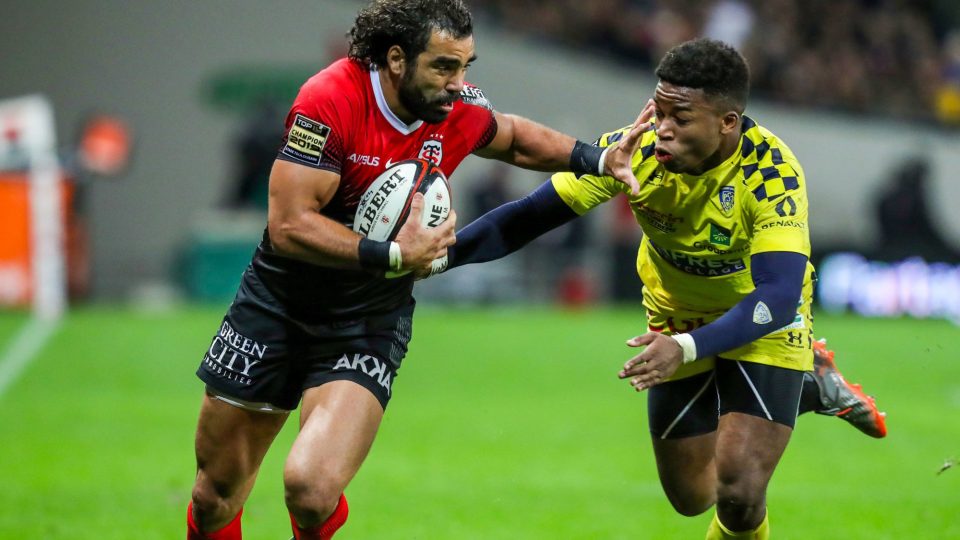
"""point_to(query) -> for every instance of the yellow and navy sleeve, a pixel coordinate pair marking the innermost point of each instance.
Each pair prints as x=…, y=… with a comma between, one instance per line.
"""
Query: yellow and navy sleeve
x=586, y=192
x=777, y=194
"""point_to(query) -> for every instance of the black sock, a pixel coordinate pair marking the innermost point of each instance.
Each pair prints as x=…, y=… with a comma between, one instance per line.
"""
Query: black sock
x=809, y=395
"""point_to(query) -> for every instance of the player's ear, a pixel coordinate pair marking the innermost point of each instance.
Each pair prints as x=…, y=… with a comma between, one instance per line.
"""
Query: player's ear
x=729, y=122
x=396, y=60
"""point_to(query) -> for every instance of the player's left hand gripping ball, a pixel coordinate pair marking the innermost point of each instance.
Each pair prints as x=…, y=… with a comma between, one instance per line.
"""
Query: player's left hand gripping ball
x=385, y=205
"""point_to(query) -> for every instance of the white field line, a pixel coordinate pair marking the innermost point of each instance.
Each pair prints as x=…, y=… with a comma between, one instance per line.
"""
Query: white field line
x=23, y=349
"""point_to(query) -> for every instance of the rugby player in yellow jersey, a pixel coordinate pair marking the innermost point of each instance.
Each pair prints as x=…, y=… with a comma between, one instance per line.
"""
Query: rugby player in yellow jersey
x=729, y=359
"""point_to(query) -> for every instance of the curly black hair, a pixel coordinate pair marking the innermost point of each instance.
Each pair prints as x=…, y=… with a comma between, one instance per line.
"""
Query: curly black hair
x=407, y=23
x=709, y=65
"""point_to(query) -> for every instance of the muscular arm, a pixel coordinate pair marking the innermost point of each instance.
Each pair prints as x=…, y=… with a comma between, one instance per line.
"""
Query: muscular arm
x=298, y=230
x=511, y=226
x=527, y=144
x=778, y=277
x=530, y=145
x=295, y=225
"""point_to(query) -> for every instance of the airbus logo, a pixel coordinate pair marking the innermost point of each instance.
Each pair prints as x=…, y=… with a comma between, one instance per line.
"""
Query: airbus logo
x=360, y=159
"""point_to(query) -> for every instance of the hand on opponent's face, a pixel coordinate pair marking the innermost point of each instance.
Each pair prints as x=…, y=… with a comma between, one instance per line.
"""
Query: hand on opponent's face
x=618, y=161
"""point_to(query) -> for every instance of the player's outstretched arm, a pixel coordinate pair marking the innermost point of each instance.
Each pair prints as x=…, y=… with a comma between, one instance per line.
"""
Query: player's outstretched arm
x=525, y=143
x=506, y=229
x=511, y=226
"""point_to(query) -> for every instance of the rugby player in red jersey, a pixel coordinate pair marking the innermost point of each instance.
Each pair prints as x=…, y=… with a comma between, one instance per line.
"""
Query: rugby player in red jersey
x=314, y=321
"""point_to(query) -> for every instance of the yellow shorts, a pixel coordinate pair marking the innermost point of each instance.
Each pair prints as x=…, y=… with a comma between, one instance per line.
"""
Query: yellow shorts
x=790, y=347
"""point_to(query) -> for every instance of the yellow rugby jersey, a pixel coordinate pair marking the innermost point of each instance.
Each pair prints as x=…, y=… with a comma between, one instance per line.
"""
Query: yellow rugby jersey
x=700, y=230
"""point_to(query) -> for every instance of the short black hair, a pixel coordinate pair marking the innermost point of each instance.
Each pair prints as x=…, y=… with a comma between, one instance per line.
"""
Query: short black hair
x=407, y=23
x=709, y=65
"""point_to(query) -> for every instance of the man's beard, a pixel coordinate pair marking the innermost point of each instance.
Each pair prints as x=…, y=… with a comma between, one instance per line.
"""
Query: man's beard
x=419, y=106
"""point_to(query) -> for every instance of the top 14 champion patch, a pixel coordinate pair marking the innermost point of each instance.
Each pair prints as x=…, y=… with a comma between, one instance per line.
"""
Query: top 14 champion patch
x=306, y=140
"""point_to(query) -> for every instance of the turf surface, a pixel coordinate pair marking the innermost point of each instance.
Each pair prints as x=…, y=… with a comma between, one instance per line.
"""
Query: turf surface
x=507, y=424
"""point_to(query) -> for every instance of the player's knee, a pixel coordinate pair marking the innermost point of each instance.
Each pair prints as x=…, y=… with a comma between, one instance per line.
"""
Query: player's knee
x=739, y=503
x=211, y=506
x=310, y=496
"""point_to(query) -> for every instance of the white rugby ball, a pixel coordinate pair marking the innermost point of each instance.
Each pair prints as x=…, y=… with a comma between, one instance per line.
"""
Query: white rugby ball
x=385, y=205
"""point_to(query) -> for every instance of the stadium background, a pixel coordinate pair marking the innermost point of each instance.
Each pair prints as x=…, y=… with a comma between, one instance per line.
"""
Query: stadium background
x=511, y=423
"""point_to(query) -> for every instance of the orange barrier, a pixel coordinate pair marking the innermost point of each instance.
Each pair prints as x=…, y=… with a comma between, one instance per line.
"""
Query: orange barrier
x=16, y=265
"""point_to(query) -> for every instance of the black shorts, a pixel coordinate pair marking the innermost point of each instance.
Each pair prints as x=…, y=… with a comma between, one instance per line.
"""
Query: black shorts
x=261, y=358
x=693, y=406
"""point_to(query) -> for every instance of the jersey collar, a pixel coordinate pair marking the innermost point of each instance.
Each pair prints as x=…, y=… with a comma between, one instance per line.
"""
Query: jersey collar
x=394, y=121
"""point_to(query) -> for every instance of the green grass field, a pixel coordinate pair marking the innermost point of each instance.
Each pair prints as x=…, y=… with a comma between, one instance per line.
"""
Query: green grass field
x=506, y=424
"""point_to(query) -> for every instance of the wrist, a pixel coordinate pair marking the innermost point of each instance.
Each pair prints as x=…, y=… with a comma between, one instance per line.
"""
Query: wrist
x=602, y=166
x=374, y=255
x=586, y=159
x=396, y=257
x=687, y=345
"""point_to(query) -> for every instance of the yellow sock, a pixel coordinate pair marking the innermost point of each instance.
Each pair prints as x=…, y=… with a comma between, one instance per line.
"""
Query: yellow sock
x=717, y=531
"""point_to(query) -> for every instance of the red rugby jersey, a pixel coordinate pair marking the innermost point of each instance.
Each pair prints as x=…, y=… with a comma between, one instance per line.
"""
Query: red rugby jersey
x=340, y=122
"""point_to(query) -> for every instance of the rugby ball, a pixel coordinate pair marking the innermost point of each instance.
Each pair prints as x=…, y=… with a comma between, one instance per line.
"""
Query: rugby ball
x=385, y=205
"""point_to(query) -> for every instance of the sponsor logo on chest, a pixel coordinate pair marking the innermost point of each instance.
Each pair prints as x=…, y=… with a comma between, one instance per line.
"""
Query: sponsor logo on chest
x=661, y=221
x=700, y=266
x=369, y=161
x=719, y=235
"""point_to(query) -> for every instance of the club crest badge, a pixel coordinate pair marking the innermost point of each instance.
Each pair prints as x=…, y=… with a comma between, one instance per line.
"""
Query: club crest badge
x=432, y=150
x=726, y=198
x=761, y=314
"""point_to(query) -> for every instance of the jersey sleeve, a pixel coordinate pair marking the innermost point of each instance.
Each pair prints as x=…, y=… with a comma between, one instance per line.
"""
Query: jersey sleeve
x=315, y=126
x=586, y=192
x=781, y=212
x=481, y=114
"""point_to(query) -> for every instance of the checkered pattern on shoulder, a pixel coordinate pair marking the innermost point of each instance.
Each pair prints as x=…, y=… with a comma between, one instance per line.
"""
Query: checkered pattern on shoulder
x=764, y=169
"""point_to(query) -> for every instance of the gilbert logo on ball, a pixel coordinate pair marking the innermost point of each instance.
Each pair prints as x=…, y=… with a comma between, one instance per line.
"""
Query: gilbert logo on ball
x=385, y=205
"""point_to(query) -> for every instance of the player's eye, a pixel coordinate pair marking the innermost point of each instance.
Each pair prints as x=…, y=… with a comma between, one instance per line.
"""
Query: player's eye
x=682, y=121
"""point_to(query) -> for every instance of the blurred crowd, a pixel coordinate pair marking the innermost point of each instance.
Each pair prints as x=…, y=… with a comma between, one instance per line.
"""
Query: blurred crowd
x=898, y=58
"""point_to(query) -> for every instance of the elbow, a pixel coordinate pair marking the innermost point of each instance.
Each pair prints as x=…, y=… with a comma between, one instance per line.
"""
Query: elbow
x=784, y=316
x=783, y=307
x=282, y=234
